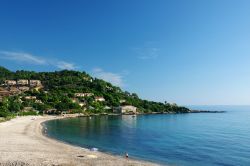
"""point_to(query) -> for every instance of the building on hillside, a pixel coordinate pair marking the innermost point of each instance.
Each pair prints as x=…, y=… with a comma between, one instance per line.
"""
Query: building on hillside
x=10, y=82
x=83, y=94
x=122, y=101
x=109, y=88
x=87, y=79
x=2, y=89
x=4, y=93
x=82, y=104
x=20, y=100
x=14, y=90
x=35, y=83
x=52, y=111
x=107, y=108
x=74, y=100
x=38, y=101
x=30, y=97
x=24, y=88
x=125, y=109
x=23, y=82
x=98, y=98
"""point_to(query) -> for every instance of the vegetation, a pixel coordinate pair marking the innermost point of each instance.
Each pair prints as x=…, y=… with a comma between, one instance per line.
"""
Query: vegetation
x=59, y=88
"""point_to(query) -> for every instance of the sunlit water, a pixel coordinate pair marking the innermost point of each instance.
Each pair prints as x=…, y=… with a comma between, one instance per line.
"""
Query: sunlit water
x=196, y=139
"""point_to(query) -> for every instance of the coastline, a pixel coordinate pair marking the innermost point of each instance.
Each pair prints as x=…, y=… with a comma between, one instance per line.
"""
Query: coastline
x=23, y=143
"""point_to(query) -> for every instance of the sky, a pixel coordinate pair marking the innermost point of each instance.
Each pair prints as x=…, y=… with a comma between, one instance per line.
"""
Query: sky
x=189, y=52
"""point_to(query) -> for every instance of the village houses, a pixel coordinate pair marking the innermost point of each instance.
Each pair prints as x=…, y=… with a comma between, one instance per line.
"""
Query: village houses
x=23, y=82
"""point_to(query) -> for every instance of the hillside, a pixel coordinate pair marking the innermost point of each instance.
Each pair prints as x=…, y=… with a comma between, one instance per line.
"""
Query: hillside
x=72, y=91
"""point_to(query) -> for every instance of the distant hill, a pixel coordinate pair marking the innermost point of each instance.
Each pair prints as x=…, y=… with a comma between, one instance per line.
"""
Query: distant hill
x=60, y=87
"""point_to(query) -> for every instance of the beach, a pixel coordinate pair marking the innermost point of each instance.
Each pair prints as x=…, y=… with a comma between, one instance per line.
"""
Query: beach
x=22, y=143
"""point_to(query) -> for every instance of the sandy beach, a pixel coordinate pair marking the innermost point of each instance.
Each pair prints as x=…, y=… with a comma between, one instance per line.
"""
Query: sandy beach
x=22, y=143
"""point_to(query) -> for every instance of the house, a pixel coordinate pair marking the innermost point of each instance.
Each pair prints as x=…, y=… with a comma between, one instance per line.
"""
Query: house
x=14, y=90
x=38, y=101
x=109, y=88
x=24, y=88
x=98, y=98
x=10, y=82
x=83, y=94
x=107, y=108
x=35, y=83
x=20, y=100
x=82, y=104
x=52, y=111
x=74, y=100
x=122, y=101
x=88, y=79
x=4, y=92
x=125, y=109
x=30, y=97
x=23, y=82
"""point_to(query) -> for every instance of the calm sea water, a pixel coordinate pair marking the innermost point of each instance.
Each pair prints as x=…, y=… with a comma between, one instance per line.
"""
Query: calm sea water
x=220, y=139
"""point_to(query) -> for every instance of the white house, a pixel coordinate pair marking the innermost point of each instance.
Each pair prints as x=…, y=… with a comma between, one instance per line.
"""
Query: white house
x=83, y=94
x=125, y=109
x=82, y=104
x=122, y=101
x=24, y=88
x=30, y=97
x=39, y=101
x=101, y=99
x=10, y=82
x=23, y=82
x=35, y=83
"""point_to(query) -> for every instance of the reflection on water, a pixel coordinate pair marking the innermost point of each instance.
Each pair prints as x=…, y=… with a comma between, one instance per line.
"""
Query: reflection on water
x=129, y=120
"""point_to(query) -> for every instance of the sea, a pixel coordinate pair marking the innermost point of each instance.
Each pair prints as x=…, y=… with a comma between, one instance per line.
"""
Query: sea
x=192, y=139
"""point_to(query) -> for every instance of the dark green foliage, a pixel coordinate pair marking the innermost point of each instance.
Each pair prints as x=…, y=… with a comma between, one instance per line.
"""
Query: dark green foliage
x=4, y=111
x=5, y=74
x=27, y=113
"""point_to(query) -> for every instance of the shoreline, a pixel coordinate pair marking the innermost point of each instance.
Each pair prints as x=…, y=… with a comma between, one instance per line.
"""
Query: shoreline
x=151, y=113
x=22, y=142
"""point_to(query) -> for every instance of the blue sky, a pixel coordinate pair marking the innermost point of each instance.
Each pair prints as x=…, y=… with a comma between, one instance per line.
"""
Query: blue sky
x=191, y=52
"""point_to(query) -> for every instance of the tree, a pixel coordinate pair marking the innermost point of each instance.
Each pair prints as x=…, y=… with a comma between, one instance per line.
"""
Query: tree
x=4, y=112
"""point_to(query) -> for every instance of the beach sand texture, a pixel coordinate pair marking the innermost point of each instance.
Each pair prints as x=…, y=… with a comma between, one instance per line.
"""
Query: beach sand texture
x=22, y=143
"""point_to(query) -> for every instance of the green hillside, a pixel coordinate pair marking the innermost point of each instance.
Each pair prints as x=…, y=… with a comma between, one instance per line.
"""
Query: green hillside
x=59, y=90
